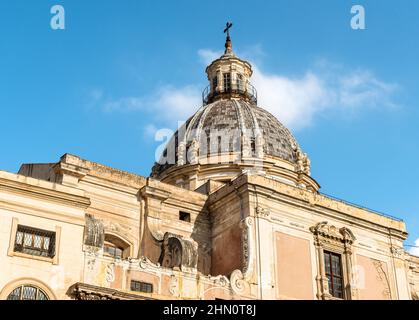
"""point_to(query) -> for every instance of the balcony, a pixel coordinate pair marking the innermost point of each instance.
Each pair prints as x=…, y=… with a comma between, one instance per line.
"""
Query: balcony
x=247, y=92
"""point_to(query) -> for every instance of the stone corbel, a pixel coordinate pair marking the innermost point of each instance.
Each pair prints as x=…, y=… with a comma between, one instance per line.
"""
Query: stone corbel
x=240, y=279
x=154, y=199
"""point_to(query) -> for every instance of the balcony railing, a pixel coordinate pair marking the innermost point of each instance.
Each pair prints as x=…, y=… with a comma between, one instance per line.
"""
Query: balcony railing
x=246, y=91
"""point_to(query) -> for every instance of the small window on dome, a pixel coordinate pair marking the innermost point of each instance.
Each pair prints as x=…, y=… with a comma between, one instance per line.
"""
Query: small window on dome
x=240, y=82
x=227, y=82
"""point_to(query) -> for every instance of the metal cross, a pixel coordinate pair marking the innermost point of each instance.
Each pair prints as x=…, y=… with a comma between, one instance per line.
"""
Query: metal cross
x=227, y=29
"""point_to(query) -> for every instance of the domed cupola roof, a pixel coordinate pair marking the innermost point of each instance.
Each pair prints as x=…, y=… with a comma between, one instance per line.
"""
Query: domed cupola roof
x=230, y=135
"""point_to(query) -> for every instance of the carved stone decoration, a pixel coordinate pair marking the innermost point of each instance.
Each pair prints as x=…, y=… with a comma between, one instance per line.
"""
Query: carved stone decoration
x=239, y=279
x=303, y=163
x=181, y=153
x=84, y=291
x=94, y=234
x=174, y=286
x=263, y=212
x=110, y=273
x=338, y=240
x=179, y=253
x=382, y=276
x=193, y=152
x=146, y=264
x=91, y=264
x=397, y=252
x=219, y=281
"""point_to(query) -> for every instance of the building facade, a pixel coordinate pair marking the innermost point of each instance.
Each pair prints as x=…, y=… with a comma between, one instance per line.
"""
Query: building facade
x=230, y=211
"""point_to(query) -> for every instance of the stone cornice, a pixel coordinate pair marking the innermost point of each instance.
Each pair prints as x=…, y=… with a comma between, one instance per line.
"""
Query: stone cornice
x=83, y=291
x=43, y=191
x=312, y=201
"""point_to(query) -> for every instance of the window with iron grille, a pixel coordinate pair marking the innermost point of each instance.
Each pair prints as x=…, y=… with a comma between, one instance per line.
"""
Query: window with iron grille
x=227, y=82
x=334, y=274
x=141, y=286
x=35, y=242
x=27, y=292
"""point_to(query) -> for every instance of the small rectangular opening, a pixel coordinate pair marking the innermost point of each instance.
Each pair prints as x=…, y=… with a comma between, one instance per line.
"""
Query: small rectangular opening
x=184, y=216
x=140, y=286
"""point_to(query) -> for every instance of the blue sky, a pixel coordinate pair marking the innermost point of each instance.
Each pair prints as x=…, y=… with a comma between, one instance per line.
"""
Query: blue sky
x=122, y=69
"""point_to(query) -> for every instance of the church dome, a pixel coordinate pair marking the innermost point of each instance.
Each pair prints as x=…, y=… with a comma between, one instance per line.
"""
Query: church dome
x=230, y=135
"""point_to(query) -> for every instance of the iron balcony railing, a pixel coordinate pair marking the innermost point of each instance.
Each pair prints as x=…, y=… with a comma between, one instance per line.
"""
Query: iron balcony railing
x=245, y=90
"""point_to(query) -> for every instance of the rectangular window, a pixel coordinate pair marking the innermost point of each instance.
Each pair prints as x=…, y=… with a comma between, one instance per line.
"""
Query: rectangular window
x=140, y=286
x=334, y=274
x=227, y=82
x=240, y=82
x=35, y=242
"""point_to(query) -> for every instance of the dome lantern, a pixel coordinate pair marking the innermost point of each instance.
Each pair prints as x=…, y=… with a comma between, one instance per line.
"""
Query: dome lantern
x=229, y=76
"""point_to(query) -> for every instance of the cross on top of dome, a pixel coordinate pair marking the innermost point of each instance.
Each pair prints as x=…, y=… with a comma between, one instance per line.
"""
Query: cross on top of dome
x=228, y=45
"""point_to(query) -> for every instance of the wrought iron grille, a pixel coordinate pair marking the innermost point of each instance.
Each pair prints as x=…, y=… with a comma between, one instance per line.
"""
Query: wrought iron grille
x=27, y=292
x=35, y=242
x=140, y=286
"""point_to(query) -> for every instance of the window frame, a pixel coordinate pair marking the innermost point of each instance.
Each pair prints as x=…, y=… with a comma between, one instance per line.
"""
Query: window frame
x=11, y=250
x=331, y=275
x=31, y=233
x=329, y=238
x=227, y=82
x=22, y=292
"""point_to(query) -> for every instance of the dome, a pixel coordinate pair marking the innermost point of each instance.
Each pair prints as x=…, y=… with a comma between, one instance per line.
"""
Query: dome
x=231, y=135
x=234, y=121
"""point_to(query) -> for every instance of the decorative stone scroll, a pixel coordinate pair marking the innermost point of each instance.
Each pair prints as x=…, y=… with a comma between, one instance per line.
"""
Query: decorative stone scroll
x=179, y=253
x=240, y=279
x=338, y=240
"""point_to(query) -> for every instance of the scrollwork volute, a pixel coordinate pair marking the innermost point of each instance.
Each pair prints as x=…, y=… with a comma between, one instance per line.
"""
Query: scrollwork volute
x=179, y=253
x=240, y=279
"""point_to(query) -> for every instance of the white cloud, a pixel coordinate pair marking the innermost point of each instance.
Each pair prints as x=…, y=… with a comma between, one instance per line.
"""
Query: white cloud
x=206, y=56
x=295, y=101
x=415, y=250
x=167, y=104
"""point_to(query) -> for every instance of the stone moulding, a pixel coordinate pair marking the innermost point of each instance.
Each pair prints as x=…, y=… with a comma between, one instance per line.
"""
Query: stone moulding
x=240, y=279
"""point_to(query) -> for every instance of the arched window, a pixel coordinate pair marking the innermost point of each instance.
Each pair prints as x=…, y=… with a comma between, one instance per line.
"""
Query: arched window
x=27, y=292
x=116, y=247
